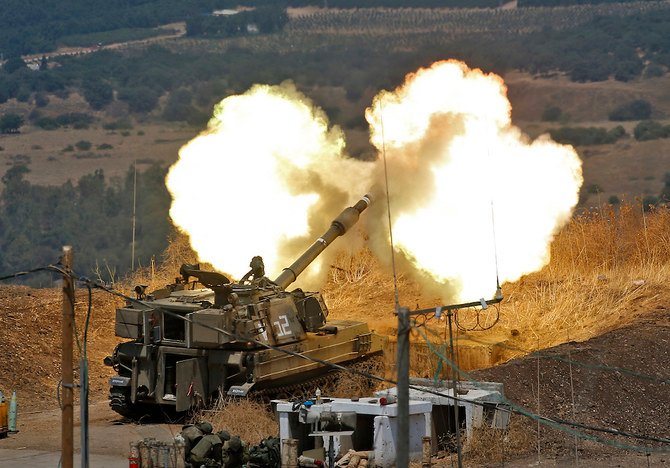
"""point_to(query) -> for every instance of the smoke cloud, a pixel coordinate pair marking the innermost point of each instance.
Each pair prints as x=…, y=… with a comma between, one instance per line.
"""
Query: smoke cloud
x=471, y=197
x=265, y=178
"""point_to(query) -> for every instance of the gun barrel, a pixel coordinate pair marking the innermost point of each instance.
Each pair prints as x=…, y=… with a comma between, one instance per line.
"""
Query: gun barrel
x=338, y=227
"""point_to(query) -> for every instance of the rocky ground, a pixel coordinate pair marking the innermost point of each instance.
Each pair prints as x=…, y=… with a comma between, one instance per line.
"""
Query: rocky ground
x=620, y=381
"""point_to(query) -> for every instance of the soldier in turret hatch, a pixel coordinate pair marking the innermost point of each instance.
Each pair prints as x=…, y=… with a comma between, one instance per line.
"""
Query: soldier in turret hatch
x=257, y=271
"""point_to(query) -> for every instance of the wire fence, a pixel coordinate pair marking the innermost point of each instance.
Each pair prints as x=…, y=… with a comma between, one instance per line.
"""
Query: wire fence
x=573, y=428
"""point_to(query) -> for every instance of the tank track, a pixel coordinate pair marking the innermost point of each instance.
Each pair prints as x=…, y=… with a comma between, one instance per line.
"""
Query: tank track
x=305, y=388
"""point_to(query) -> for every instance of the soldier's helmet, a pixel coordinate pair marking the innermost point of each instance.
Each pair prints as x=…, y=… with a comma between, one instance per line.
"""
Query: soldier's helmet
x=223, y=435
x=235, y=444
x=205, y=427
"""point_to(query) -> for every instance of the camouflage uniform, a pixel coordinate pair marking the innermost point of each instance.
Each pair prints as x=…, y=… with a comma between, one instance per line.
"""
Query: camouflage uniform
x=207, y=452
x=192, y=434
x=266, y=454
x=234, y=453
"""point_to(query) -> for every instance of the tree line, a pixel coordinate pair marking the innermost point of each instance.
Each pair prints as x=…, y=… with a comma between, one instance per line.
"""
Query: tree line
x=192, y=78
x=29, y=26
x=375, y=3
x=555, y=3
x=94, y=215
x=264, y=19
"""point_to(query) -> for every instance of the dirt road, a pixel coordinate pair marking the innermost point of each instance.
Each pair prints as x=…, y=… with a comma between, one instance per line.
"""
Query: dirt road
x=38, y=442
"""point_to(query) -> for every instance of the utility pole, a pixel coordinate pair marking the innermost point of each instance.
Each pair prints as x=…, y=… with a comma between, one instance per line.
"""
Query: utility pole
x=67, y=422
x=402, y=450
x=132, y=244
x=455, y=378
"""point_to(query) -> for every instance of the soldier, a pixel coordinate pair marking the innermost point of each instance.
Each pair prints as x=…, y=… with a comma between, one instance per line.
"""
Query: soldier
x=207, y=452
x=192, y=434
x=234, y=453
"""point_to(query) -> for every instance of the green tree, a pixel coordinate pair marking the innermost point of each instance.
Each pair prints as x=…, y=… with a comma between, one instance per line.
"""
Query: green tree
x=141, y=99
x=638, y=109
x=178, y=106
x=98, y=93
x=10, y=123
x=13, y=64
x=650, y=130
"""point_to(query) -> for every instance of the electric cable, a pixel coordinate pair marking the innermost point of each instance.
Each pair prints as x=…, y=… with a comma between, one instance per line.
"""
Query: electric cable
x=513, y=408
x=425, y=318
x=18, y=274
x=605, y=367
x=559, y=424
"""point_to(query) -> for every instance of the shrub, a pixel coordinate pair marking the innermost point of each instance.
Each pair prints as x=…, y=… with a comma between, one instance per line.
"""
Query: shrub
x=653, y=71
x=650, y=130
x=584, y=136
x=47, y=123
x=23, y=95
x=97, y=93
x=76, y=120
x=104, y=146
x=68, y=149
x=10, y=123
x=83, y=145
x=141, y=99
x=41, y=99
x=594, y=189
x=613, y=200
x=649, y=202
x=634, y=110
x=552, y=114
x=121, y=124
x=19, y=160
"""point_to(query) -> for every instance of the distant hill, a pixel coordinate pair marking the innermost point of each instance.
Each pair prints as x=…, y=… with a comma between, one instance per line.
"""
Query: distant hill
x=29, y=26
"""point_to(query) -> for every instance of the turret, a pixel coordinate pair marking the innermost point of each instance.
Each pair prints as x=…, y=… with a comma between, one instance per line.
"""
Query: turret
x=338, y=227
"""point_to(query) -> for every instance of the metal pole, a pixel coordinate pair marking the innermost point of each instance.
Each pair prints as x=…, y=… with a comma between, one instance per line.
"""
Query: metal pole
x=455, y=377
x=402, y=452
x=66, y=362
x=132, y=244
x=83, y=407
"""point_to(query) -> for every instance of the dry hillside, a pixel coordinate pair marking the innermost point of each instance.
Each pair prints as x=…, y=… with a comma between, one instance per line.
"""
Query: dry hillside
x=627, y=169
x=605, y=294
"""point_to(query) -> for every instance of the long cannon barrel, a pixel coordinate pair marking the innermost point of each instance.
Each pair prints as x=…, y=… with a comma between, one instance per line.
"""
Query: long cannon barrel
x=338, y=227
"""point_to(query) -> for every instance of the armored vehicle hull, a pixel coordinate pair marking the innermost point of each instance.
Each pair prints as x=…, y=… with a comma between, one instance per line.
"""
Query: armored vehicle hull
x=189, y=345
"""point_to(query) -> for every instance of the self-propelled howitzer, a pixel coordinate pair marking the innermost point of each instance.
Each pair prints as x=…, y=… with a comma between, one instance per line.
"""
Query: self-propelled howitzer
x=190, y=344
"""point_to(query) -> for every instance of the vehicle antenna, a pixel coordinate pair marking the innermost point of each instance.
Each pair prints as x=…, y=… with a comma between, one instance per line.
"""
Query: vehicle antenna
x=388, y=208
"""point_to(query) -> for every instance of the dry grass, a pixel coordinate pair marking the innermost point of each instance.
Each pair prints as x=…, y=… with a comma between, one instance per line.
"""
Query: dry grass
x=250, y=419
x=488, y=445
x=607, y=268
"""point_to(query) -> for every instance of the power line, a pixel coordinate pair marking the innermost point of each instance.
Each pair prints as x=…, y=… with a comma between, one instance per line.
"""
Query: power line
x=587, y=365
x=514, y=408
x=558, y=424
